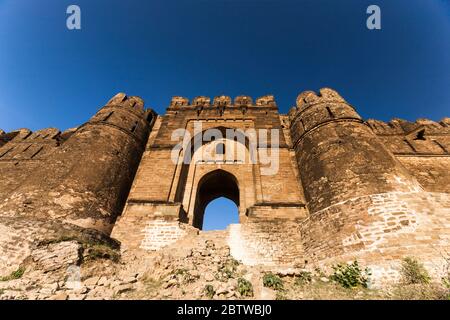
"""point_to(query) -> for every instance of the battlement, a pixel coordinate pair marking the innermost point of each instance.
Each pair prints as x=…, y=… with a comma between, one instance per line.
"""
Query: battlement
x=5, y=137
x=223, y=101
x=403, y=127
x=132, y=102
x=125, y=113
x=67, y=133
x=23, y=144
x=48, y=135
x=420, y=138
x=307, y=98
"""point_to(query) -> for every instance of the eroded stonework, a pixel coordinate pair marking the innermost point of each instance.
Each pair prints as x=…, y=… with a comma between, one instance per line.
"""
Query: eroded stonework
x=344, y=188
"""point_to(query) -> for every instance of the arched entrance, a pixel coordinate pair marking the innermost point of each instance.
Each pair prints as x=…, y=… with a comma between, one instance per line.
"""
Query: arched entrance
x=215, y=184
x=227, y=148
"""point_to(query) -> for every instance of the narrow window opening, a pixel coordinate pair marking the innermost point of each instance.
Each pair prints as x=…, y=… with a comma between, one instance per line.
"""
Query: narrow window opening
x=6, y=152
x=28, y=134
x=303, y=125
x=330, y=113
x=420, y=135
x=133, y=129
x=108, y=116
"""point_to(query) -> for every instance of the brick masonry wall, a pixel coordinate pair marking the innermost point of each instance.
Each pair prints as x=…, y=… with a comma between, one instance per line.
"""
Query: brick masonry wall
x=268, y=237
x=380, y=230
x=160, y=233
x=150, y=226
x=433, y=173
x=266, y=242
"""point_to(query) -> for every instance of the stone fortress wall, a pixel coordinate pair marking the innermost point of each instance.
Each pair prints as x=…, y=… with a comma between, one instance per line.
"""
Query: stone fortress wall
x=345, y=188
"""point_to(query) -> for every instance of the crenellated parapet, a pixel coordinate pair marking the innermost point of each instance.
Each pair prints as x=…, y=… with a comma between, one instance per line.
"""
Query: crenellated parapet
x=66, y=134
x=202, y=101
x=267, y=100
x=17, y=135
x=223, y=101
x=23, y=144
x=243, y=101
x=124, y=101
x=308, y=98
x=125, y=113
x=403, y=127
x=179, y=102
x=422, y=137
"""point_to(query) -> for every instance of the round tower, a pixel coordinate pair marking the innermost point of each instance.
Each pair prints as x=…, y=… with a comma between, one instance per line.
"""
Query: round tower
x=87, y=179
x=105, y=153
x=338, y=155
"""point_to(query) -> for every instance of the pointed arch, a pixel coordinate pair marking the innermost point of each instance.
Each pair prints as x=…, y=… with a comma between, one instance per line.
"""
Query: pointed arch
x=213, y=185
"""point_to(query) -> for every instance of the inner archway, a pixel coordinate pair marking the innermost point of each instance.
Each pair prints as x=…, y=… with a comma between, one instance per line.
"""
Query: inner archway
x=220, y=213
x=215, y=184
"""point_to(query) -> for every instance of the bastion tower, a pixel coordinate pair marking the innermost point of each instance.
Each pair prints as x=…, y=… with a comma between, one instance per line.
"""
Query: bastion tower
x=86, y=180
x=363, y=203
x=338, y=155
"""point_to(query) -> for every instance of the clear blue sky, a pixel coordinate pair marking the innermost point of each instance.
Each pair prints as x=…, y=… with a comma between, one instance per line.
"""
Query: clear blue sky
x=219, y=214
x=53, y=77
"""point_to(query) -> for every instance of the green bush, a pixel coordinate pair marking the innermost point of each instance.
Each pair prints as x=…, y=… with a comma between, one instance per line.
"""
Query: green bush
x=227, y=270
x=245, y=288
x=14, y=275
x=209, y=291
x=185, y=275
x=350, y=275
x=413, y=272
x=273, y=281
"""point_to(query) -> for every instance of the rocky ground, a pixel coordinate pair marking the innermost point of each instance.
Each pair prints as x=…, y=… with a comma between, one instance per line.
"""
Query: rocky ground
x=200, y=269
